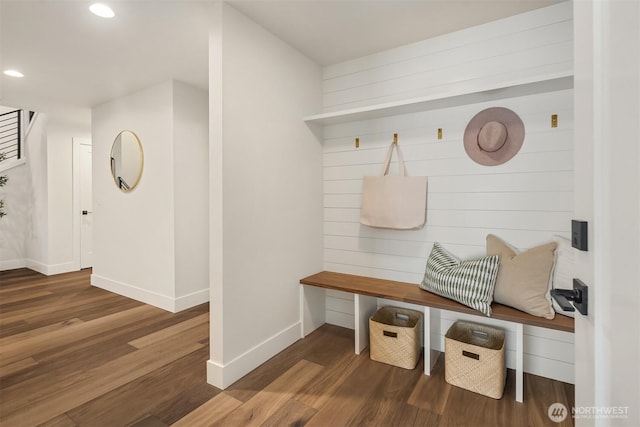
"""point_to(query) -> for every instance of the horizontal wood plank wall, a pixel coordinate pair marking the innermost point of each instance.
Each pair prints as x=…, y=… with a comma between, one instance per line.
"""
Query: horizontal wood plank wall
x=532, y=44
x=525, y=201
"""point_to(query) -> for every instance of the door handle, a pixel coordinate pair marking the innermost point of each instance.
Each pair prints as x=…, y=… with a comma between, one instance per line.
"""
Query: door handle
x=86, y=212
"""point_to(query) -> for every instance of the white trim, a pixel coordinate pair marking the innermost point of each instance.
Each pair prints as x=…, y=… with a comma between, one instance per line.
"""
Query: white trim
x=12, y=264
x=152, y=298
x=27, y=129
x=5, y=165
x=161, y=301
x=223, y=375
x=191, y=300
x=49, y=269
x=522, y=87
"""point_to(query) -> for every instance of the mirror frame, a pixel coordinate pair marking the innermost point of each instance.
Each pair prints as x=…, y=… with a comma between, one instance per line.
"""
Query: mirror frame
x=112, y=160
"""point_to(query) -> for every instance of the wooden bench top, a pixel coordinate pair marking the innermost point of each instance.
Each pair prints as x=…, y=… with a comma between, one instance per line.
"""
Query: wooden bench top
x=411, y=293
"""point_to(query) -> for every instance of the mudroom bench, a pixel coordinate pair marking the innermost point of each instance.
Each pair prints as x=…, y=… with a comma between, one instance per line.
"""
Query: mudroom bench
x=367, y=290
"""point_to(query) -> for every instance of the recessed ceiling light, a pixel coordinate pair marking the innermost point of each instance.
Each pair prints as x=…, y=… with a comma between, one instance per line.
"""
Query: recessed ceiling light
x=13, y=73
x=102, y=10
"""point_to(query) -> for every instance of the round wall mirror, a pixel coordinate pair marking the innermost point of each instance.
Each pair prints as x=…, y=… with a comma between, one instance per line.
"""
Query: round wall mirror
x=126, y=160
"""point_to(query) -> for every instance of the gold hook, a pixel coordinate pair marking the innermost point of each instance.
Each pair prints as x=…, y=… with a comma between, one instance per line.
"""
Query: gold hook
x=357, y=142
x=395, y=138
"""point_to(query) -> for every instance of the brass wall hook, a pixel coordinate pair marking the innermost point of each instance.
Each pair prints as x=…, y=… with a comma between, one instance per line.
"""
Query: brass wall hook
x=395, y=138
x=357, y=142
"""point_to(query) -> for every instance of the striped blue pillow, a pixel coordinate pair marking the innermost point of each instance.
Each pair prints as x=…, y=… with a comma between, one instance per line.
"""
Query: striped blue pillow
x=470, y=282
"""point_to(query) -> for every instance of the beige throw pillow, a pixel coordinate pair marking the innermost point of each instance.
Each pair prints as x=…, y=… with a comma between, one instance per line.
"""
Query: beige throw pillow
x=523, y=278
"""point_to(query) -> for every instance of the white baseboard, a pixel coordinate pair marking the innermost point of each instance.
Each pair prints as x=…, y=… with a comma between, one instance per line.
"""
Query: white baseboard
x=149, y=297
x=12, y=264
x=50, y=269
x=223, y=375
x=191, y=300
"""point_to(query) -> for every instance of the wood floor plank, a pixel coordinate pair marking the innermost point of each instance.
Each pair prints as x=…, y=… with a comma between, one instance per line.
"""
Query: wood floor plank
x=48, y=374
x=149, y=421
x=345, y=403
x=62, y=337
x=390, y=397
x=57, y=309
x=6, y=341
x=541, y=393
x=59, y=421
x=432, y=391
x=18, y=366
x=20, y=297
x=210, y=412
x=329, y=340
x=426, y=418
x=264, y=404
x=169, y=332
x=99, y=381
x=177, y=406
x=15, y=327
x=292, y=413
x=136, y=400
x=62, y=363
x=316, y=393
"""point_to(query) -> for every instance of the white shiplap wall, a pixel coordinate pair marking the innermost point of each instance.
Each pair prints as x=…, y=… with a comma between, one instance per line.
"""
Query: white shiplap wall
x=525, y=201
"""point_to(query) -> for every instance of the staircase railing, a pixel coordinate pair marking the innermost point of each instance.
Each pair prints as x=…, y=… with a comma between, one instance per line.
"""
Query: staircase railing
x=11, y=135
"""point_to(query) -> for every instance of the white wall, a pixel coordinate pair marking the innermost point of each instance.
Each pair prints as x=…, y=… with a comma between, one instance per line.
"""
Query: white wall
x=191, y=192
x=14, y=226
x=266, y=193
x=520, y=47
x=526, y=201
x=40, y=230
x=135, y=232
x=37, y=248
x=608, y=110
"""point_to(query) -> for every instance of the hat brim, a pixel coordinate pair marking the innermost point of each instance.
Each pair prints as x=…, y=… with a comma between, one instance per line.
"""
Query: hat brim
x=515, y=136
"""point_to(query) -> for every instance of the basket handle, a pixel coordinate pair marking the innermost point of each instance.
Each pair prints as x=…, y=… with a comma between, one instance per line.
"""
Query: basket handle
x=480, y=334
x=402, y=316
x=475, y=356
x=390, y=334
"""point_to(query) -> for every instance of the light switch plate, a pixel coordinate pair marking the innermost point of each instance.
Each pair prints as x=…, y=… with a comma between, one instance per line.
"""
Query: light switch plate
x=579, y=237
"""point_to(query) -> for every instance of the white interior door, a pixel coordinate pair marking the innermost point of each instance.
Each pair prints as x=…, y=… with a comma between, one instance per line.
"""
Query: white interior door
x=86, y=206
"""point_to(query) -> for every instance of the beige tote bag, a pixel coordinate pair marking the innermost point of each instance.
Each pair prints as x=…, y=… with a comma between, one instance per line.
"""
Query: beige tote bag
x=394, y=201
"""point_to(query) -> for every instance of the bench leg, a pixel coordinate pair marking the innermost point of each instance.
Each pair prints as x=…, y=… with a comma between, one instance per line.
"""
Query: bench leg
x=426, y=331
x=312, y=309
x=430, y=355
x=519, y=362
x=364, y=307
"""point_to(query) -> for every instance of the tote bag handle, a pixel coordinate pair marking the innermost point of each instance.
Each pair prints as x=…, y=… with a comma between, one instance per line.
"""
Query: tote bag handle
x=387, y=161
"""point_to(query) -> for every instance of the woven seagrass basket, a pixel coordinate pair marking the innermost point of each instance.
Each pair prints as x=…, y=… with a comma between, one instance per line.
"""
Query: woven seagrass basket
x=474, y=358
x=394, y=336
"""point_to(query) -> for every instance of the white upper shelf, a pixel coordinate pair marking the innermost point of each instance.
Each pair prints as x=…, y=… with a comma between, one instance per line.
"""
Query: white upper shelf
x=549, y=83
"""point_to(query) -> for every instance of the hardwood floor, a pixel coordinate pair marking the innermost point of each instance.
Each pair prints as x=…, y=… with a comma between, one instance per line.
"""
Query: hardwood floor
x=75, y=355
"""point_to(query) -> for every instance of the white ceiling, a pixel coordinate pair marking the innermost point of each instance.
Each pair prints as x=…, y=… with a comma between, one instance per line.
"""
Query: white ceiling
x=74, y=59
